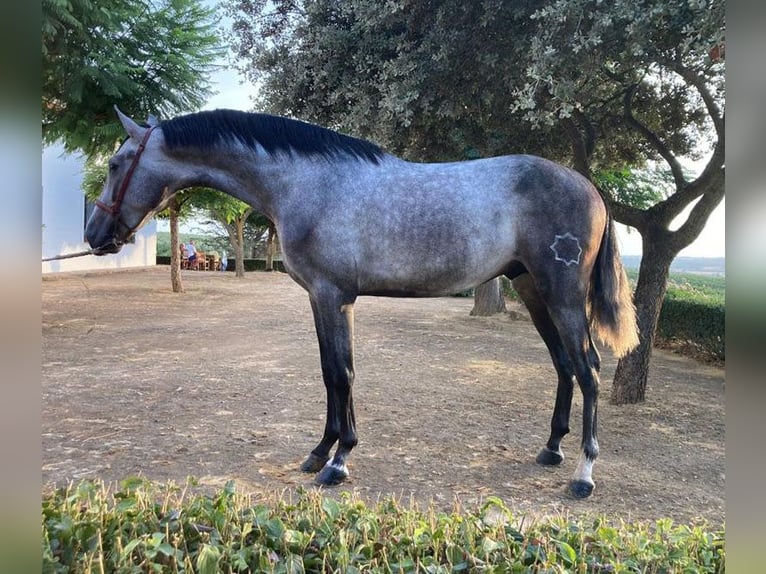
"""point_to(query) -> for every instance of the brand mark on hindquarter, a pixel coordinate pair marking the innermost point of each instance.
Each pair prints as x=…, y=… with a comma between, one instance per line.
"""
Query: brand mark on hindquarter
x=566, y=249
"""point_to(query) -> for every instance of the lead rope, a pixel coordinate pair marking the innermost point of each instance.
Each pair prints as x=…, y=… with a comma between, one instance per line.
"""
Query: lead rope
x=69, y=255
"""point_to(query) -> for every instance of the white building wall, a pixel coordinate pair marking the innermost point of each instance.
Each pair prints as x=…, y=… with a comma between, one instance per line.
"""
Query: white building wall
x=64, y=221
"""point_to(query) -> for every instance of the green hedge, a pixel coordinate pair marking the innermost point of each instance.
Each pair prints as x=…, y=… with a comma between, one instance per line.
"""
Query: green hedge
x=694, y=320
x=140, y=526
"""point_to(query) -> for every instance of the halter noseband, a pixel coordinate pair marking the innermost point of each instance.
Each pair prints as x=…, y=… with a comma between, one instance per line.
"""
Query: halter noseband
x=114, y=209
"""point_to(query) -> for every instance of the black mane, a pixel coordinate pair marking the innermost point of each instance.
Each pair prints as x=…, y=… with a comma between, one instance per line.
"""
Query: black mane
x=274, y=133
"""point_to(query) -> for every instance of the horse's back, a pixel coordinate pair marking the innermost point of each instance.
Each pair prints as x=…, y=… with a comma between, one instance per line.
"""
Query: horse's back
x=515, y=204
x=430, y=229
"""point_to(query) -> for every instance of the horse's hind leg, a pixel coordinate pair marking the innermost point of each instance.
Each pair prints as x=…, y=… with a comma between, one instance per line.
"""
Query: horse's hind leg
x=334, y=319
x=551, y=453
x=559, y=302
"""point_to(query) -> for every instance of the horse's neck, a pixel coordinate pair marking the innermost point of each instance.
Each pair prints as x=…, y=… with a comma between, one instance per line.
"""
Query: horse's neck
x=273, y=184
x=239, y=172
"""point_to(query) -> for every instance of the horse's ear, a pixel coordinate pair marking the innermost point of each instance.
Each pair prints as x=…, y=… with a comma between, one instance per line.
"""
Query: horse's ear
x=134, y=130
x=152, y=120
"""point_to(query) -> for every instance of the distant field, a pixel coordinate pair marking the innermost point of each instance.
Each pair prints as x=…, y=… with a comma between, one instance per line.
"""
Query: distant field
x=715, y=266
x=710, y=289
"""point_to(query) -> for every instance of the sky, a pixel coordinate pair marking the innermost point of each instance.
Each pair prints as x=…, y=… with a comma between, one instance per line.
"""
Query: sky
x=710, y=243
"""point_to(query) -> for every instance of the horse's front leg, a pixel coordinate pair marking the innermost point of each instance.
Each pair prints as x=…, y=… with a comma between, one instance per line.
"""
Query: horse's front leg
x=334, y=322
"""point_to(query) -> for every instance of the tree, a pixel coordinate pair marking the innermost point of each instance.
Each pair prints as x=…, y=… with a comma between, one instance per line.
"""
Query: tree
x=256, y=230
x=146, y=56
x=173, y=209
x=601, y=86
x=232, y=214
x=651, y=78
x=379, y=69
x=271, y=245
x=488, y=299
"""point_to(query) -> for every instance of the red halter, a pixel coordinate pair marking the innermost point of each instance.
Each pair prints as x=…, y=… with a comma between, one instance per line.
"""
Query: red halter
x=114, y=209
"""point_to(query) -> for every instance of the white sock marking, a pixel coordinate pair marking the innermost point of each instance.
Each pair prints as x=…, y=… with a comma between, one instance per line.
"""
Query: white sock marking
x=339, y=467
x=584, y=469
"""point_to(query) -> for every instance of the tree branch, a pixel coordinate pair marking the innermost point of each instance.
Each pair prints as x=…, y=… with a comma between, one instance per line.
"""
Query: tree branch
x=716, y=116
x=695, y=223
x=652, y=138
x=579, y=147
x=625, y=214
x=677, y=202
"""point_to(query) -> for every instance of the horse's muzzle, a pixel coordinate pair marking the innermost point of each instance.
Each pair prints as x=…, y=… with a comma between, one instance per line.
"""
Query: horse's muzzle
x=101, y=234
x=107, y=248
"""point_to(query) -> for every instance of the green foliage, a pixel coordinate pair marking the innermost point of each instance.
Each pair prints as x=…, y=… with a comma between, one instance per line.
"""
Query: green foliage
x=585, y=59
x=694, y=313
x=523, y=77
x=638, y=188
x=147, y=56
x=703, y=288
x=378, y=70
x=689, y=321
x=94, y=176
x=146, y=527
x=220, y=206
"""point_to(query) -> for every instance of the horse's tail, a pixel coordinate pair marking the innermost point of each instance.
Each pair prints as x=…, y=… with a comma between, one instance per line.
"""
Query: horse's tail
x=612, y=311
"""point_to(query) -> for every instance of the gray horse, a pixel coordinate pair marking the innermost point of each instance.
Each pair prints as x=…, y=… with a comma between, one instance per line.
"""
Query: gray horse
x=354, y=220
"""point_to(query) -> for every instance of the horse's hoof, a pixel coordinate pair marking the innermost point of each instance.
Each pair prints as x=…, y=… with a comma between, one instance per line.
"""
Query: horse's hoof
x=548, y=457
x=331, y=475
x=314, y=463
x=581, y=488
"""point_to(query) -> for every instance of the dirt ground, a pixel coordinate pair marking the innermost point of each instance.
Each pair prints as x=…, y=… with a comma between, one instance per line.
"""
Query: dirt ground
x=223, y=382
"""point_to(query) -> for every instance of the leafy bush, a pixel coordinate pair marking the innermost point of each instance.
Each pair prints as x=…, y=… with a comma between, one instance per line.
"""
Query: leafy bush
x=689, y=317
x=147, y=527
x=693, y=313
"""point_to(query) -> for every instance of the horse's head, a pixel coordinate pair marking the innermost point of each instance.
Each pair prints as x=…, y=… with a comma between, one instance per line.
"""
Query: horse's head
x=137, y=187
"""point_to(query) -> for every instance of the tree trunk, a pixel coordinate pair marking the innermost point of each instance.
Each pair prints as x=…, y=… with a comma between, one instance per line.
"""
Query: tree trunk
x=175, y=253
x=630, y=378
x=488, y=299
x=240, y=262
x=271, y=247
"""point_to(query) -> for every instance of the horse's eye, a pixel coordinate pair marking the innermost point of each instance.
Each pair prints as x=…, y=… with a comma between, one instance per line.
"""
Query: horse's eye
x=112, y=167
